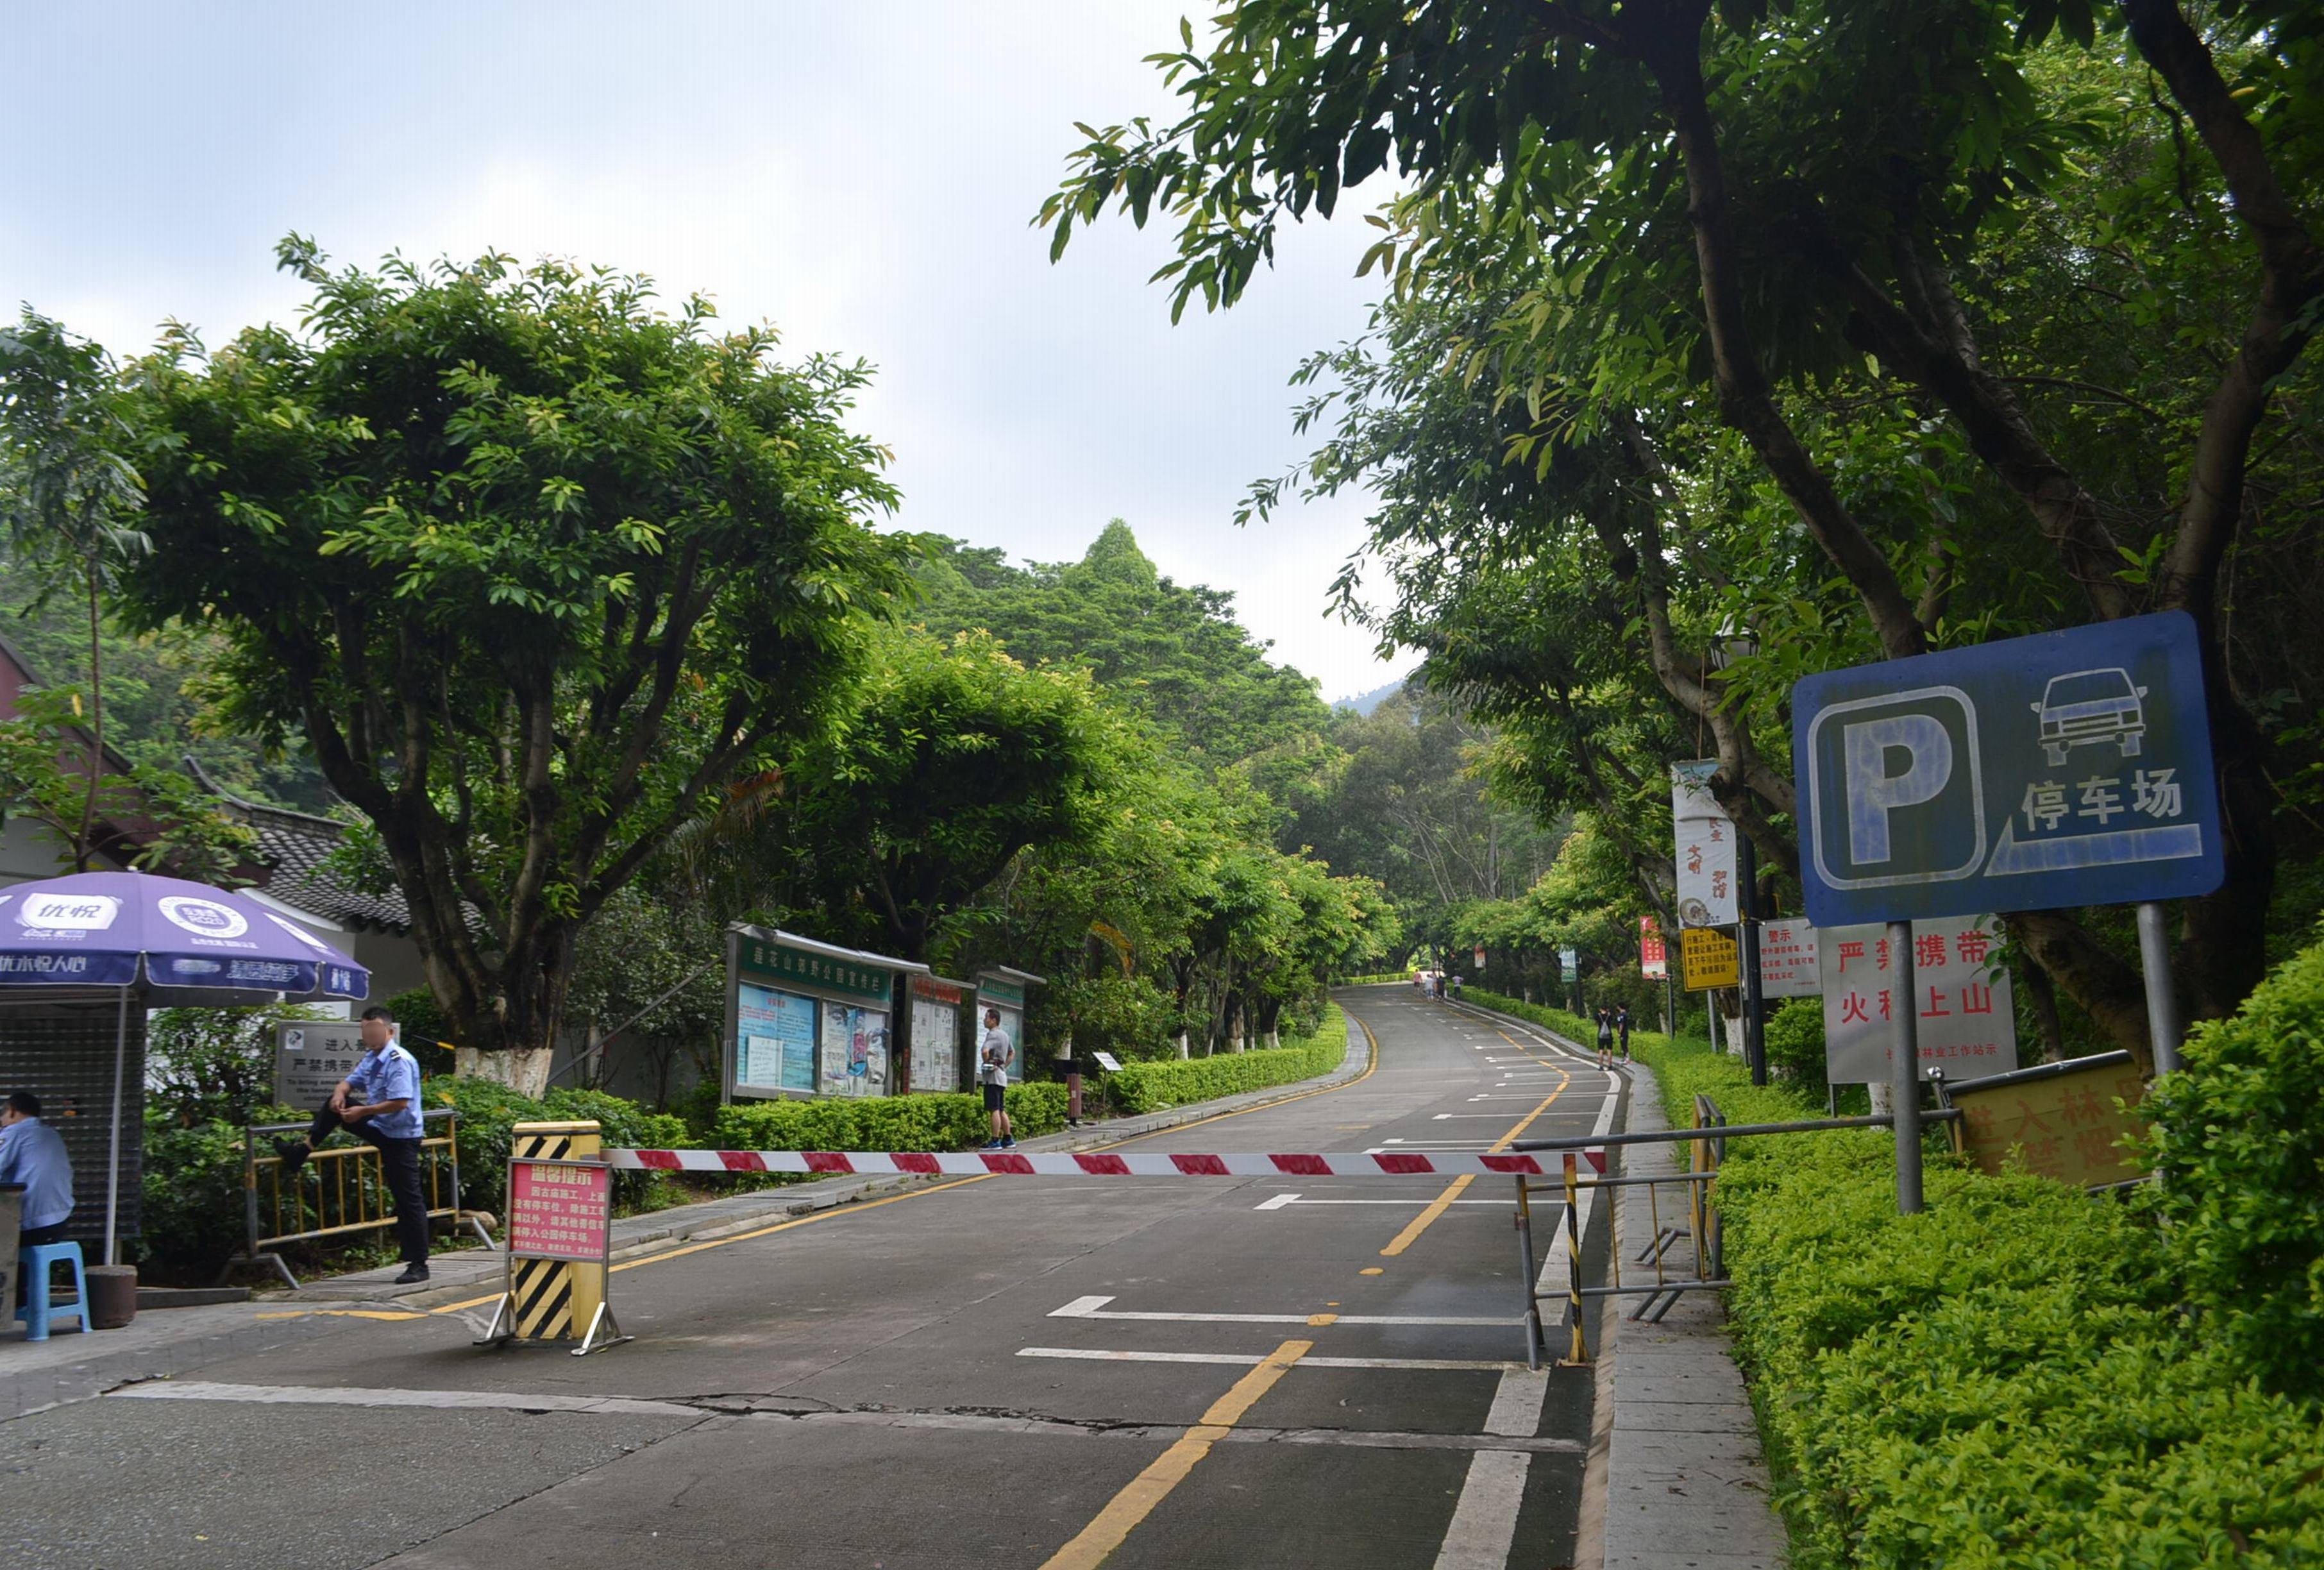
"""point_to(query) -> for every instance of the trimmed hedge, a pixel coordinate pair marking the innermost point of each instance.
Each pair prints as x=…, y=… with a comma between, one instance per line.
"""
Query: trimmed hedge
x=928, y=1120
x=1145, y=1088
x=2003, y=1380
x=490, y=1112
x=2238, y=1139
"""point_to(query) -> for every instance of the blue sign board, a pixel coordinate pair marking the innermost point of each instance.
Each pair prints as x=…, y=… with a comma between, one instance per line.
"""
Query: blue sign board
x=2067, y=768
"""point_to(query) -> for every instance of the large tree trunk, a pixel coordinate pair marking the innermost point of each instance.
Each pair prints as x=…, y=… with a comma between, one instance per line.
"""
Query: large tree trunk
x=524, y=1071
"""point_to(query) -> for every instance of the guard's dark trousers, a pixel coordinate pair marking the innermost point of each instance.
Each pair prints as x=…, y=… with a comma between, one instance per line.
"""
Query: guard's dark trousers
x=399, y=1158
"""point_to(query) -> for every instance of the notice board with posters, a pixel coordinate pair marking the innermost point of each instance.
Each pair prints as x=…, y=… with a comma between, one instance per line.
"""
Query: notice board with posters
x=2067, y=1120
x=807, y=1018
x=934, y=1063
x=1965, y=1016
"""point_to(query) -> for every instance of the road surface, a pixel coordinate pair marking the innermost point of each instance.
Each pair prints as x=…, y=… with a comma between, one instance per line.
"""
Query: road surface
x=1007, y=1371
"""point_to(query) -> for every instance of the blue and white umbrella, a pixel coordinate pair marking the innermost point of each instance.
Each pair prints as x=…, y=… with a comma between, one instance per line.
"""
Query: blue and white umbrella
x=187, y=942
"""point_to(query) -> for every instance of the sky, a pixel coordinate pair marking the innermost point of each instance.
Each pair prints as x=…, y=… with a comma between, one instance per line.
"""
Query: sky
x=862, y=175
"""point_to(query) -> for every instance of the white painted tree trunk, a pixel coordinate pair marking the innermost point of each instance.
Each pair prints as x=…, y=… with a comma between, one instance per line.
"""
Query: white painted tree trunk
x=1183, y=1050
x=1273, y=1041
x=1883, y=1098
x=525, y=1073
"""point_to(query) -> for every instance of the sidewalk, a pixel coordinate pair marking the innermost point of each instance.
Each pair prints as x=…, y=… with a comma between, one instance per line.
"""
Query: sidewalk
x=74, y=1366
x=1675, y=1475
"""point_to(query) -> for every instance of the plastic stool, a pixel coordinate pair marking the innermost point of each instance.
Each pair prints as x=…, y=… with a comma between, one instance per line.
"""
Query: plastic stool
x=37, y=1262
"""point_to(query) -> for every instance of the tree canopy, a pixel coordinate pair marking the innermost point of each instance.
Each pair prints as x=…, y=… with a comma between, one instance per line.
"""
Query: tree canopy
x=532, y=565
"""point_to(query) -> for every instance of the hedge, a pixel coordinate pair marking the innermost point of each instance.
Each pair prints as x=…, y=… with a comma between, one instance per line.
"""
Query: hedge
x=2007, y=1379
x=928, y=1120
x=490, y=1111
x=1145, y=1088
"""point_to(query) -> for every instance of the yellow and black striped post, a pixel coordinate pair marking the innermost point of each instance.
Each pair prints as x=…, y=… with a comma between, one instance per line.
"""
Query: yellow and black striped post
x=552, y=1299
x=1577, y=1354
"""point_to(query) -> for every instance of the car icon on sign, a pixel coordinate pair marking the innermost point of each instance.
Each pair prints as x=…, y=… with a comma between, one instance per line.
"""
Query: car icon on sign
x=2091, y=706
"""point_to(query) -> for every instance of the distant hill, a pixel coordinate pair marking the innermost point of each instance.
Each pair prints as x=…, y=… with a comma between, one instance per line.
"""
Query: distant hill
x=1363, y=703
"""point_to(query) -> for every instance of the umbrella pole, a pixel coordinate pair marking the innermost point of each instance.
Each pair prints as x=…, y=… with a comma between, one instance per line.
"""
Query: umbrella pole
x=113, y=1166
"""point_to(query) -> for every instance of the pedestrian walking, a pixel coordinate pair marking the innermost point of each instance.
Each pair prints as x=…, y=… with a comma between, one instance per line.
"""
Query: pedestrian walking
x=994, y=1054
x=379, y=1103
x=1622, y=1028
x=34, y=1154
x=1605, y=1037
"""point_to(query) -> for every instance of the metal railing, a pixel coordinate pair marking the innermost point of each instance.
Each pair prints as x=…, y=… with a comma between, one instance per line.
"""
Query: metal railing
x=350, y=1194
x=1689, y=1237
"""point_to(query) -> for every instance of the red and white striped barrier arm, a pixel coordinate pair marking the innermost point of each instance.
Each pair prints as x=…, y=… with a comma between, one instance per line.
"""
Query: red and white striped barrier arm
x=1100, y=1164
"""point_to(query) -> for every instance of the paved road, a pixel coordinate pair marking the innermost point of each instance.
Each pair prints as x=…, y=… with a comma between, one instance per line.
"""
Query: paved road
x=1002, y=1372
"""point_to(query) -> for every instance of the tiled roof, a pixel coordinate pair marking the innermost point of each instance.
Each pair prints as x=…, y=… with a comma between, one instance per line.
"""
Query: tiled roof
x=295, y=848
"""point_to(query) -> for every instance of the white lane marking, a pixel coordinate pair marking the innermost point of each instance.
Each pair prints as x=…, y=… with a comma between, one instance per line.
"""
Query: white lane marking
x=1278, y=1202
x=357, y=1396
x=1485, y=1522
x=1441, y=1117
x=1516, y=1405
x=1096, y=1308
x=1251, y=1360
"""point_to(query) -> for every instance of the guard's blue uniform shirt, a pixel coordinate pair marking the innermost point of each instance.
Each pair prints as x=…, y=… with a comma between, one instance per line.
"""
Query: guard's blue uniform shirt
x=34, y=1154
x=387, y=1074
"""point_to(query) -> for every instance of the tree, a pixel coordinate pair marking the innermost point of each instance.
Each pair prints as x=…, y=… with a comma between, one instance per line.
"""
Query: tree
x=533, y=568
x=1658, y=227
x=69, y=498
x=948, y=759
x=1173, y=651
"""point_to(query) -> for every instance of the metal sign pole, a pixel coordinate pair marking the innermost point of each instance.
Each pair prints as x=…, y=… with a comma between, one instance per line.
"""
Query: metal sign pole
x=1746, y=912
x=1904, y=1077
x=2162, y=1001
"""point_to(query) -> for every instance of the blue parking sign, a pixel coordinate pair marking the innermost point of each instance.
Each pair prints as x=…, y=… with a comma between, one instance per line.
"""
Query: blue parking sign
x=2067, y=768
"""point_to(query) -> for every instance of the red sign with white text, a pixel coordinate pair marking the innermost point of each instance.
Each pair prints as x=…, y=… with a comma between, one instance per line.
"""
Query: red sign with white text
x=559, y=1210
x=1654, y=961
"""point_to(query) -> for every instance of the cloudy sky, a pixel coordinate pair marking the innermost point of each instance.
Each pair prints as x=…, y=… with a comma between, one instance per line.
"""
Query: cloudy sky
x=861, y=174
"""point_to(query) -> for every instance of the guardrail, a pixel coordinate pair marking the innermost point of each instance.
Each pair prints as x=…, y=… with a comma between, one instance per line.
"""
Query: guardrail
x=350, y=1196
x=1693, y=1222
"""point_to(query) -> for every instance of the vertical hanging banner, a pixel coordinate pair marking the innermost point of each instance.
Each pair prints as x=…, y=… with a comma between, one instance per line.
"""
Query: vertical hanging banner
x=1653, y=958
x=1787, y=960
x=1965, y=1016
x=1704, y=840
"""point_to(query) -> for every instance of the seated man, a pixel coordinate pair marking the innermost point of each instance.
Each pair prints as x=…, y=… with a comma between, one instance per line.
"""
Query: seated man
x=34, y=1154
x=379, y=1103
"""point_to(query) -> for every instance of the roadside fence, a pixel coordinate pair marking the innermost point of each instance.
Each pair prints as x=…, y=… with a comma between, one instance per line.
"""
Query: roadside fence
x=349, y=1196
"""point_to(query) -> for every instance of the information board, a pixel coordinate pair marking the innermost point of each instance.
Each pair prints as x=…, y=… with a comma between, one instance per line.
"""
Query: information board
x=1965, y=1018
x=774, y=1040
x=2066, y=1121
x=854, y=1050
x=2072, y=768
x=1787, y=960
x=935, y=1036
x=559, y=1210
x=1708, y=960
x=312, y=1056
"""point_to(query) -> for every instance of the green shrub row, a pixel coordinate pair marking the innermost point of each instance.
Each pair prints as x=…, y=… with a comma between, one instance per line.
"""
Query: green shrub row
x=2009, y=1378
x=490, y=1112
x=1145, y=1088
x=929, y=1121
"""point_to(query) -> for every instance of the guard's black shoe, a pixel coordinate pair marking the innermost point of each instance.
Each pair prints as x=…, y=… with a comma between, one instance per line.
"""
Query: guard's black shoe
x=294, y=1154
x=411, y=1275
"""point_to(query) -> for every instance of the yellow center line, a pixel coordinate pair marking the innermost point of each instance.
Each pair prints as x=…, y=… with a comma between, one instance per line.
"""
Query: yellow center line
x=1443, y=1202
x=1138, y=1497
x=740, y=1237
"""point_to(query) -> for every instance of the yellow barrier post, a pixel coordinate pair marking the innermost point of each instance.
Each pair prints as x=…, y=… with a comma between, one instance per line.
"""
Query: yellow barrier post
x=550, y=1300
x=1577, y=1353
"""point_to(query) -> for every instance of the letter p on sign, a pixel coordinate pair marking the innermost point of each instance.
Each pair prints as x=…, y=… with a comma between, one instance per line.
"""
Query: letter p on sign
x=1894, y=784
x=1876, y=788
